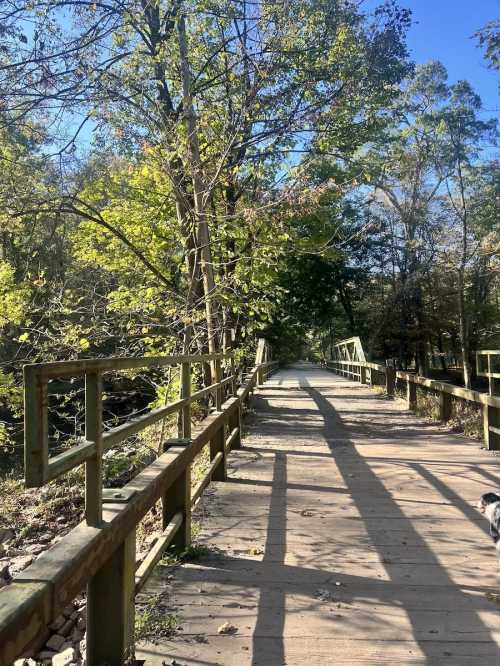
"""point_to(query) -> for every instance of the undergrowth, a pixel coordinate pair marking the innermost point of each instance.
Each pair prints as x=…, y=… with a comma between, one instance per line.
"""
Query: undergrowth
x=153, y=621
x=427, y=404
x=466, y=417
x=192, y=553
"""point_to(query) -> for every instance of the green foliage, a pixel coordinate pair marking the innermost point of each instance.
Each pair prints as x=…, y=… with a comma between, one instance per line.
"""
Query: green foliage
x=192, y=553
x=489, y=38
x=120, y=465
x=153, y=622
x=13, y=297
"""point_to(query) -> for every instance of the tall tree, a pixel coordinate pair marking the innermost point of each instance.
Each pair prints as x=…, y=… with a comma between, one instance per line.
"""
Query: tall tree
x=221, y=93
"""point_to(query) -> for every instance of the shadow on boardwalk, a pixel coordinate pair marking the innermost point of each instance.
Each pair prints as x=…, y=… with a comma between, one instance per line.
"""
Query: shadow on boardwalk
x=337, y=435
x=407, y=593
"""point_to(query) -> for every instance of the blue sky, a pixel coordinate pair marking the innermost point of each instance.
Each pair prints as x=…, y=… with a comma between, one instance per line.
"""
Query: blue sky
x=443, y=31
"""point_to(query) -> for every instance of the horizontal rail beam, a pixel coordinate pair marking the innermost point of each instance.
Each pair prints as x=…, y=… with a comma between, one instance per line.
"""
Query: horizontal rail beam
x=132, y=427
x=206, y=479
x=457, y=391
x=74, y=456
x=153, y=557
x=81, y=366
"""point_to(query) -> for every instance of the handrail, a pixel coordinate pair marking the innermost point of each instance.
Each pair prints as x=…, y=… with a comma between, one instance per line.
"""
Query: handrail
x=488, y=371
x=112, y=363
x=444, y=387
x=39, y=468
x=100, y=551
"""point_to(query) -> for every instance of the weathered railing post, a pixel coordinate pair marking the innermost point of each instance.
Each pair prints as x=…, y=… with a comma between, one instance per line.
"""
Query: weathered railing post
x=390, y=380
x=491, y=425
x=362, y=374
x=110, y=592
x=218, y=391
x=235, y=419
x=177, y=499
x=444, y=406
x=93, y=433
x=185, y=421
x=35, y=428
x=411, y=395
x=234, y=387
x=110, y=608
x=235, y=422
x=218, y=445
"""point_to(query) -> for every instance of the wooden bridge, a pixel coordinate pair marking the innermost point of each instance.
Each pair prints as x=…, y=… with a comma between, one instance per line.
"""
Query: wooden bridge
x=347, y=534
x=342, y=530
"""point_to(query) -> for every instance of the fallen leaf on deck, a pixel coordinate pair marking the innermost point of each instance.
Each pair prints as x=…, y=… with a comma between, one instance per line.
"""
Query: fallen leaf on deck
x=227, y=628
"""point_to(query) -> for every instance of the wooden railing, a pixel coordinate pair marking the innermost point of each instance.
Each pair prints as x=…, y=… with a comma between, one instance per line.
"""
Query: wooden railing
x=488, y=365
x=99, y=553
x=362, y=371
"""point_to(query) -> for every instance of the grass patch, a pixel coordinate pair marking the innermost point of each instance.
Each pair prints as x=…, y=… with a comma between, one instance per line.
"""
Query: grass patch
x=10, y=492
x=195, y=530
x=153, y=621
x=427, y=404
x=467, y=417
x=192, y=553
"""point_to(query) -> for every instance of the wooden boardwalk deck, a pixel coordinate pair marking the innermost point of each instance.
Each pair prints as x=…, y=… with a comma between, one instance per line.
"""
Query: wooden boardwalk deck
x=347, y=534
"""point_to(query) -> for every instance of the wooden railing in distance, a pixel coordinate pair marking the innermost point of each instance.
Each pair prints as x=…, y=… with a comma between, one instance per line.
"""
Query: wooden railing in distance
x=488, y=365
x=100, y=552
x=362, y=371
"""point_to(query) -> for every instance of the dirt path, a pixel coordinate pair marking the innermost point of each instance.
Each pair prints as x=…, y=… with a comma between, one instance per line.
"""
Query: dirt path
x=347, y=534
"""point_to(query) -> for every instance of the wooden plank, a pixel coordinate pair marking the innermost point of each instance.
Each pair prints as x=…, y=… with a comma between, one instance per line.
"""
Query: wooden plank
x=196, y=494
x=69, y=459
x=81, y=366
x=35, y=428
x=25, y=611
x=153, y=557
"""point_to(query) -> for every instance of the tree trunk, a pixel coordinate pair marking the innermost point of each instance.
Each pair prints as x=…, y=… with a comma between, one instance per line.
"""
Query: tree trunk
x=440, y=347
x=464, y=329
x=199, y=194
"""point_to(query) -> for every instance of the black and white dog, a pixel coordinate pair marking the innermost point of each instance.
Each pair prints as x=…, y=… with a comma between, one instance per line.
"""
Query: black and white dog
x=489, y=504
